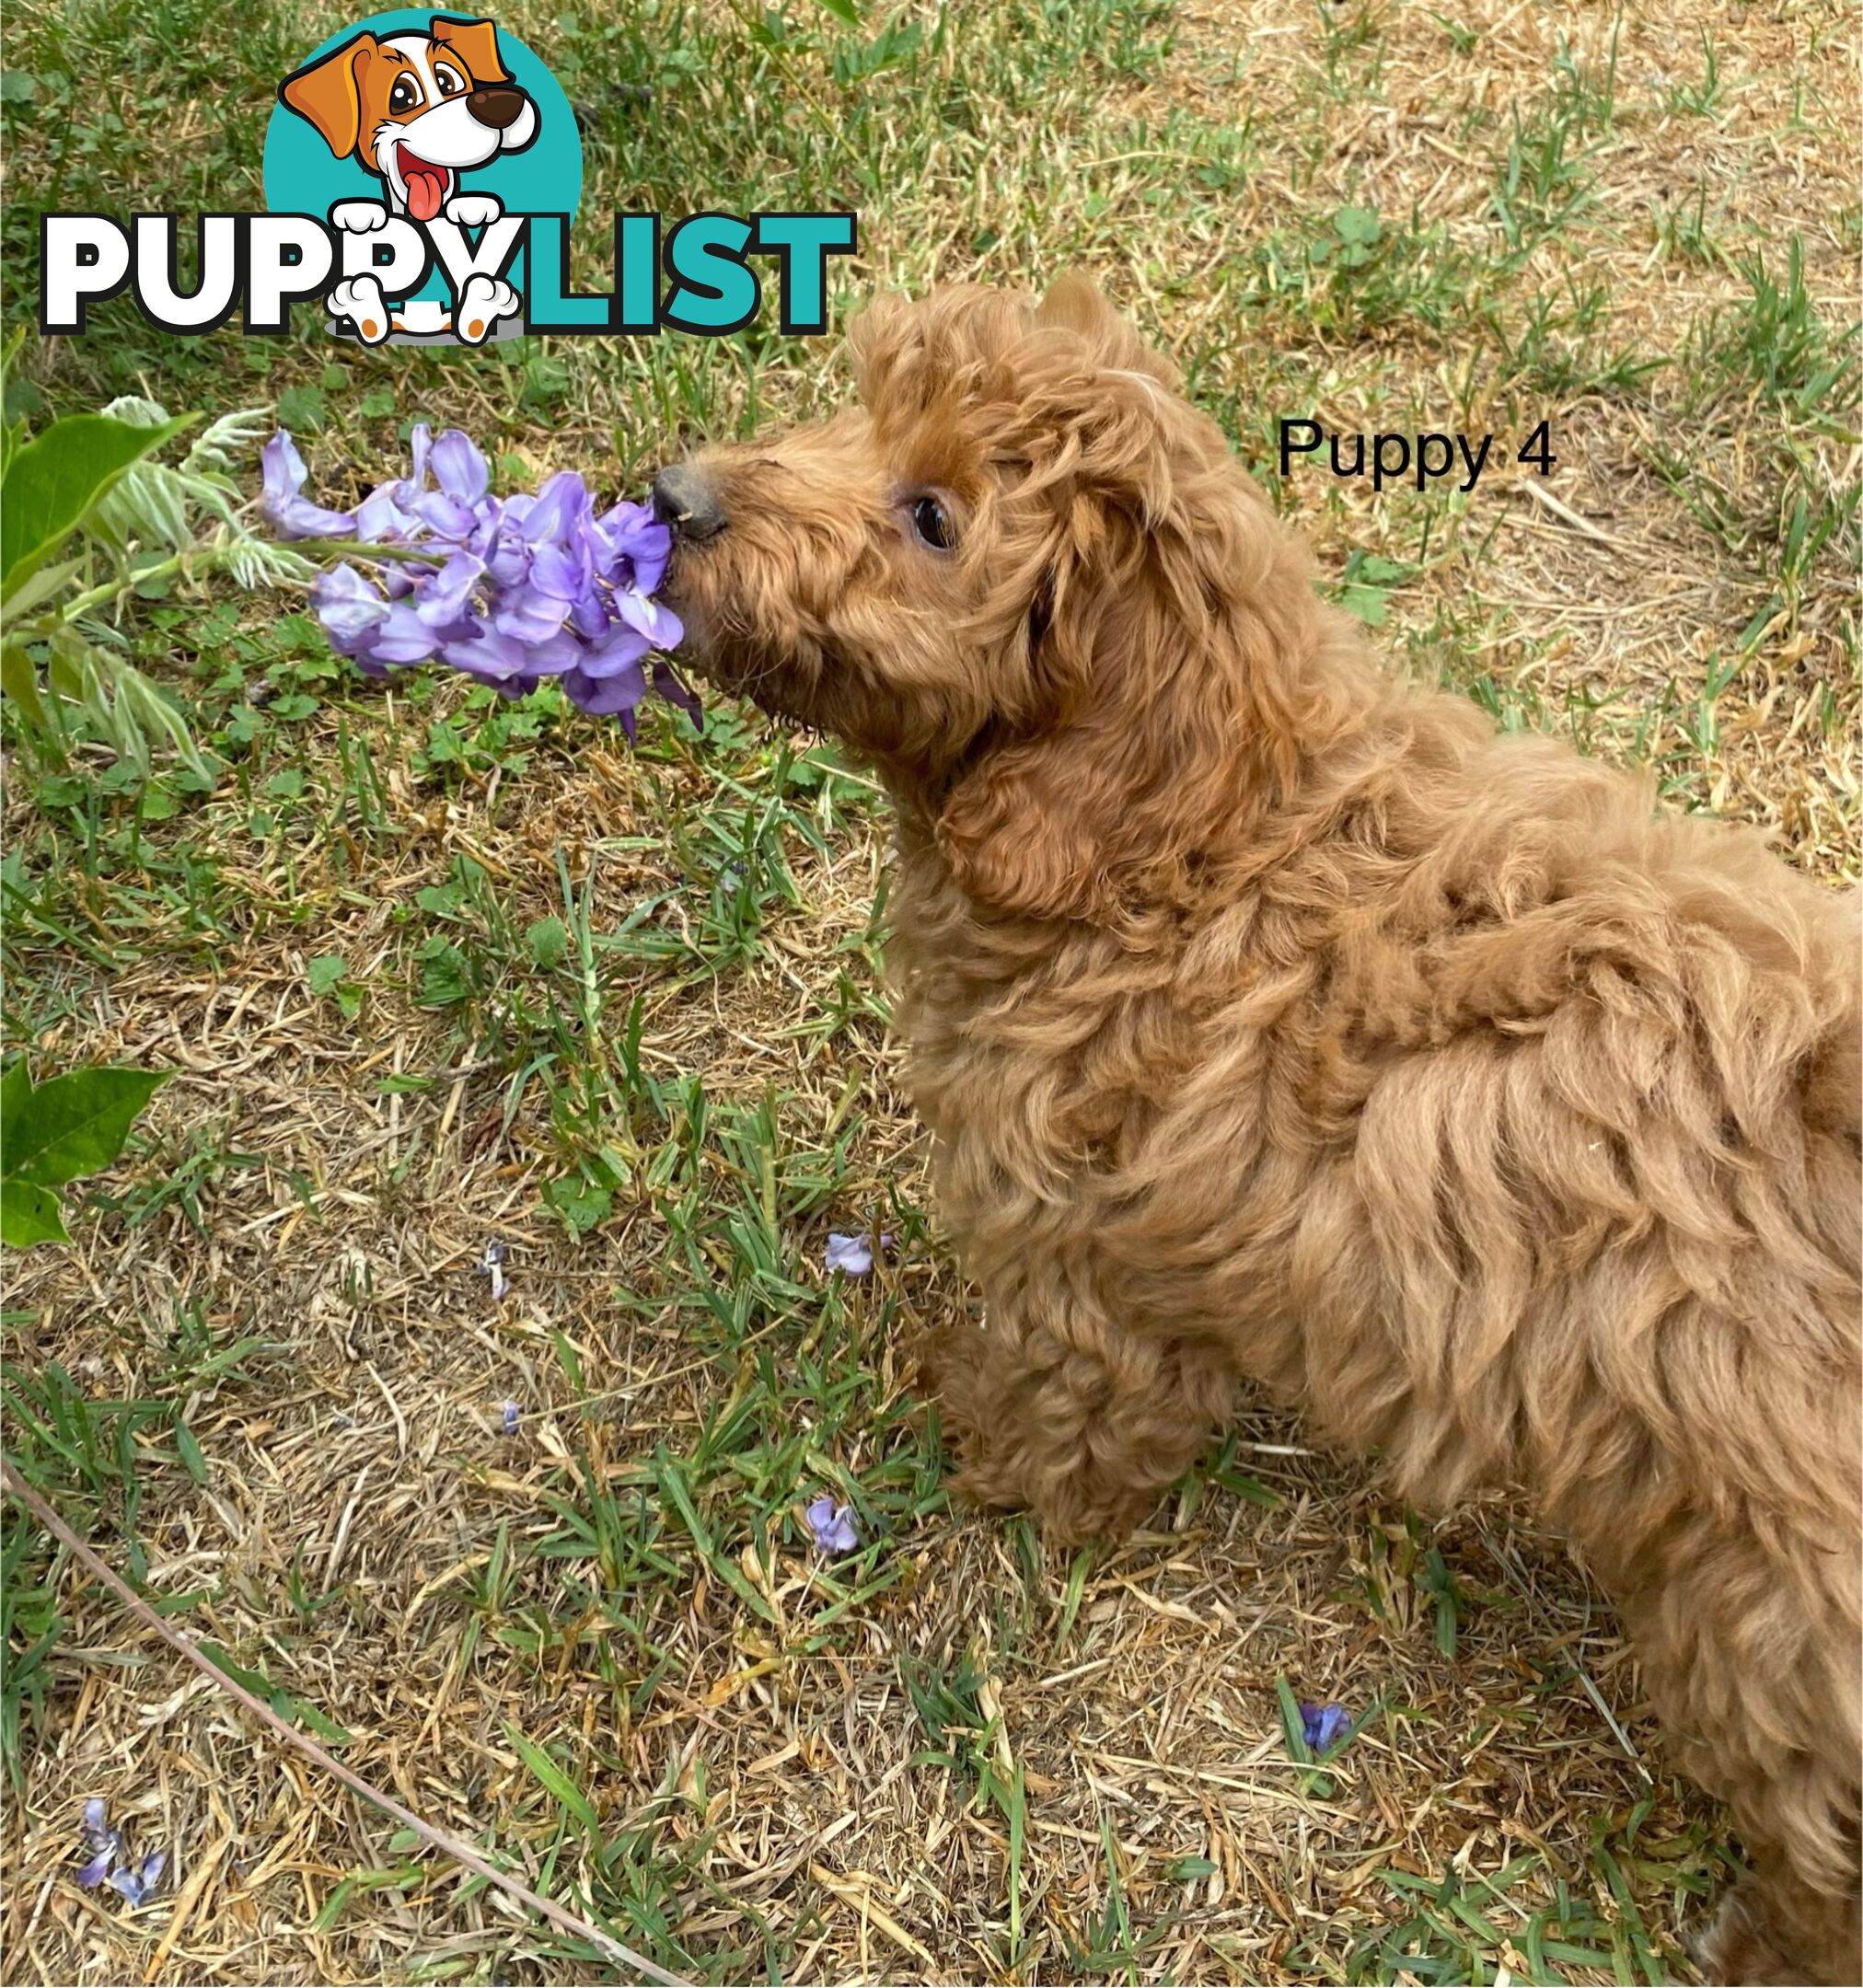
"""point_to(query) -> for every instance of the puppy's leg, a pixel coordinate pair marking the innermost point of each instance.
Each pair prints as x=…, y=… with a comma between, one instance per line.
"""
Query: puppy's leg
x=1749, y=1642
x=1054, y=1408
x=1773, y=1928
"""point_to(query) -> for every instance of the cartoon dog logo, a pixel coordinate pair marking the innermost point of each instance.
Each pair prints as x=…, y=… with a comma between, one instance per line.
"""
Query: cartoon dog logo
x=417, y=110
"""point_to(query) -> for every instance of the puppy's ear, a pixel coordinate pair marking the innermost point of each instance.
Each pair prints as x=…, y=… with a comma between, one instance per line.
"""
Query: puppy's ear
x=327, y=94
x=1035, y=825
x=1074, y=301
x=1170, y=713
x=475, y=42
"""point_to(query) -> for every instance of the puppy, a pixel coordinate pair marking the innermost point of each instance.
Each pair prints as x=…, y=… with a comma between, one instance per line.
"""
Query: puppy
x=417, y=110
x=1278, y=1023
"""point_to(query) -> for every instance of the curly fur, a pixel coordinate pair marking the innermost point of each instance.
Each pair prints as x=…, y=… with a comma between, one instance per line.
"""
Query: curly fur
x=1280, y=1023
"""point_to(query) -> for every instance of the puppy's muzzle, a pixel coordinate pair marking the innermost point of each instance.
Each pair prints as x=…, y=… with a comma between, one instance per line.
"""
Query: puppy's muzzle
x=496, y=105
x=686, y=499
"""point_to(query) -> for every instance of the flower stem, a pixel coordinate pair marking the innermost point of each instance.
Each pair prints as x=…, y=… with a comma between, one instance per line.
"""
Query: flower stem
x=206, y=559
x=96, y=596
x=354, y=549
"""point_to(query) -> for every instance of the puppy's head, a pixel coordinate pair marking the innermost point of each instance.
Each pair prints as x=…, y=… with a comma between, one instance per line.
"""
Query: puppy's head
x=1026, y=579
x=417, y=108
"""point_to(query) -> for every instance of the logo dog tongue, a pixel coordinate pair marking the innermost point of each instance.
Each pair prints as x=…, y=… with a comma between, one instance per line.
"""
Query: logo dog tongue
x=426, y=185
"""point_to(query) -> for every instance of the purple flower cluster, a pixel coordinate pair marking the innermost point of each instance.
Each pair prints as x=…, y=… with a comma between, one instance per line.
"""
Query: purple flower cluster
x=519, y=588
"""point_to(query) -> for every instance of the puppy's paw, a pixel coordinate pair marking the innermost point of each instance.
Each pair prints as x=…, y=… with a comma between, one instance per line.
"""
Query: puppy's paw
x=1736, y=1944
x=358, y=301
x=474, y=210
x=483, y=301
x=359, y=217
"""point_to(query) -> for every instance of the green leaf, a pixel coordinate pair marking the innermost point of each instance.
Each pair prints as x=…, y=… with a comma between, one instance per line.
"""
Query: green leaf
x=74, y=1124
x=55, y=482
x=301, y=407
x=333, y=1909
x=326, y=973
x=445, y=978
x=547, y=941
x=557, y=1782
x=1369, y=604
x=1293, y=1724
x=28, y=1215
x=1189, y=1871
x=19, y=680
x=842, y=10
x=39, y=587
x=15, y=1087
x=276, y=1696
x=580, y=1203
x=1357, y=224
x=189, y=1450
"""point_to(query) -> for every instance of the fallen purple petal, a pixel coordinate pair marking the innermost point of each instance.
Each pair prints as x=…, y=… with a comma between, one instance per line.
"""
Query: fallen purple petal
x=491, y=1265
x=853, y=1254
x=832, y=1525
x=138, y=1885
x=1322, y=1726
x=519, y=588
x=106, y=1844
x=509, y=1418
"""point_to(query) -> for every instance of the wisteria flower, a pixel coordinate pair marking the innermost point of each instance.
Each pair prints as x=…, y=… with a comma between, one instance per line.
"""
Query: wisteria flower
x=1322, y=1726
x=853, y=1254
x=509, y=1417
x=289, y=514
x=832, y=1525
x=510, y=590
x=111, y=1857
x=105, y=1844
x=491, y=1265
x=138, y=1884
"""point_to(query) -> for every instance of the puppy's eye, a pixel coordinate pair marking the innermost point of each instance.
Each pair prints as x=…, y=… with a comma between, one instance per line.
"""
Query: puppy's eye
x=405, y=96
x=450, y=85
x=929, y=520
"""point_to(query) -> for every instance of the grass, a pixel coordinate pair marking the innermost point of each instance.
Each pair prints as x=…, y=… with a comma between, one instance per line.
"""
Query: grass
x=432, y=971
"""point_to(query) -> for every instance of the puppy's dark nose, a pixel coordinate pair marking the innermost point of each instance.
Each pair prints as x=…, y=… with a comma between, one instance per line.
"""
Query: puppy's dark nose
x=685, y=498
x=496, y=104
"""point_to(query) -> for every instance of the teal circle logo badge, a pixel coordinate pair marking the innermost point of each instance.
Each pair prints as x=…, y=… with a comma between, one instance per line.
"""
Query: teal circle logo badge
x=434, y=144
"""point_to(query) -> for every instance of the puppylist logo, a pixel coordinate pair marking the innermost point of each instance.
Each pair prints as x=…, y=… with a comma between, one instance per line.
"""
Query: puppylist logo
x=422, y=173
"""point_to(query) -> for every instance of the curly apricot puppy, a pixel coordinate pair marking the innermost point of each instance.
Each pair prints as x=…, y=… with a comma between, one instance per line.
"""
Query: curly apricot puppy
x=1278, y=1022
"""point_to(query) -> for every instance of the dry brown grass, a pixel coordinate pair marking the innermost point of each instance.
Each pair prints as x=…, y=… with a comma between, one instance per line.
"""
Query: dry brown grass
x=772, y=1773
